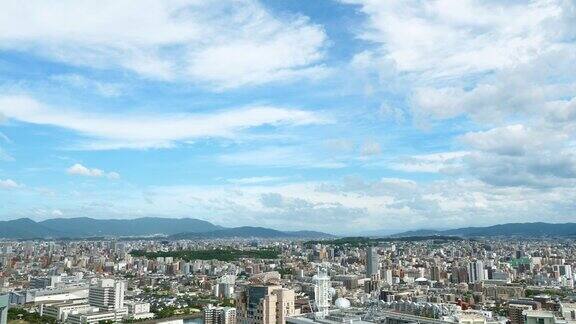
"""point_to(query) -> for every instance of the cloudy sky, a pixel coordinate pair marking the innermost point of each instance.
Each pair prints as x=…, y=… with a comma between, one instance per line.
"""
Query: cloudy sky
x=343, y=116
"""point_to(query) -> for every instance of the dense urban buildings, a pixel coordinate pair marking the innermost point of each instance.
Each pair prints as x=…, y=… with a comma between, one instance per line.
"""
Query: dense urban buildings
x=263, y=281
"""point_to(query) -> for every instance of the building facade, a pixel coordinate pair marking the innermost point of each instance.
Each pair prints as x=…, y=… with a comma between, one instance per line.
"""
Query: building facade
x=4, y=304
x=261, y=304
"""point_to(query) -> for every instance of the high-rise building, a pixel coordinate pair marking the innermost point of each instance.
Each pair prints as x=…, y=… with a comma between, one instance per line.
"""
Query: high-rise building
x=372, y=261
x=260, y=304
x=476, y=271
x=563, y=270
x=322, y=292
x=435, y=273
x=387, y=276
x=107, y=294
x=4, y=303
x=224, y=287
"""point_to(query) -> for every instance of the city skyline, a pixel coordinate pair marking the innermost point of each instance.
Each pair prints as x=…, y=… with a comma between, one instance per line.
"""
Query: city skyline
x=291, y=115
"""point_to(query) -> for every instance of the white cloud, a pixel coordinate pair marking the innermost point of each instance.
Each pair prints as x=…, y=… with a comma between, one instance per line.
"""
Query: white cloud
x=105, y=89
x=110, y=131
x=256, y=180
x=359, y=204
x=508, y=68
x=387, y=203
x=9, y=184
x=452, y=38
x=79, y=169
x=445, y=162
x=5, y=138
x=222, y=44
x=4, y=156
x=370, y=147
x=511, y=140
x=488, y=60
x=340, y=145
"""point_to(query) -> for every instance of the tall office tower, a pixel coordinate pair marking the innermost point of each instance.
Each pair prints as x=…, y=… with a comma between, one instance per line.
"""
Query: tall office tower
x=387, y=276
x=4, y=303
x=564, y=270
x=476, y=271
x=107, y=294
x=372, y=261
x=435, y=273
x=322, y=292
x=284, y=305
x=219, y=315
x=265, y=305
x=225, y=286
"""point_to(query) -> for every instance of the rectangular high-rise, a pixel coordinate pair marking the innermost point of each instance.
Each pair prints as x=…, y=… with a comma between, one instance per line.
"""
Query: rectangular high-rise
x=219, y=315
x=476, y=271
x=107, y=294
x=372, y=262
x=265, y=305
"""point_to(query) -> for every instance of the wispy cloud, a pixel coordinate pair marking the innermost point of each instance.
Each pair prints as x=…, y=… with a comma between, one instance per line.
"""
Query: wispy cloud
x=256, y=180
x=77, y=81
x=431, y=163
x=153, y=130
x=453, y=38
x=272, y=156
x=223, y=44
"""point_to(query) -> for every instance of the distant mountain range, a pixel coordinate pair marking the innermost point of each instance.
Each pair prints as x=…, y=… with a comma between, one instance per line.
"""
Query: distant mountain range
x=248, y=231
x=181, y=228
x=190, y=228
x=510, y=229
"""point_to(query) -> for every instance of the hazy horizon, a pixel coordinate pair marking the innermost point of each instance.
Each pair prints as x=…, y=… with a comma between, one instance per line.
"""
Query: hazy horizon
x=334, y=116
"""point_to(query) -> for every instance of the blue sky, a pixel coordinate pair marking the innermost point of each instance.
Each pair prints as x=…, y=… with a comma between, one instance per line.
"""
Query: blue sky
x=343, y=116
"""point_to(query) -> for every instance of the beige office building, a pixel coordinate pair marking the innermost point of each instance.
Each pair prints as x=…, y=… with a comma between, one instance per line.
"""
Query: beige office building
x=265, y=305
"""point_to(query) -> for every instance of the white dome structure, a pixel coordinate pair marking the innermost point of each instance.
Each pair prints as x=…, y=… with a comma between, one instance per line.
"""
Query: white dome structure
x=342, y=303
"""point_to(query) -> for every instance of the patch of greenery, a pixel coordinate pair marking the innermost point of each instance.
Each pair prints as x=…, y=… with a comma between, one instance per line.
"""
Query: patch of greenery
x=32, y=318
x=366, y=241
x=284, y=271
x=213, y=254
x=550, y=292
x=164, y=312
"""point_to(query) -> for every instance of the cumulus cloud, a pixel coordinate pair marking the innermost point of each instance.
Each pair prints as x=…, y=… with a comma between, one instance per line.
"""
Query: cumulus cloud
x=9, y=184
x=220, y=44
x=508, y=67
x=508, y=140
x=110, y=131
x=519, y=155
x=79, y=169
x=351, y=205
